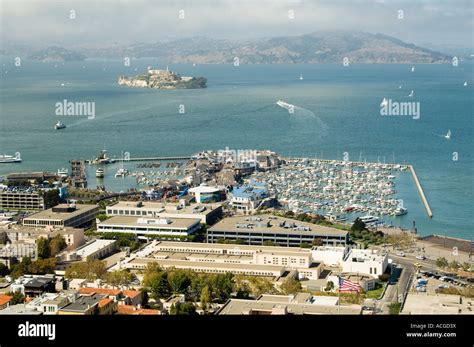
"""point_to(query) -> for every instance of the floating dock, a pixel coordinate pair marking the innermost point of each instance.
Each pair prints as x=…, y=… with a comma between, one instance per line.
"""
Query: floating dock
x=152, y=159
x=420, y=191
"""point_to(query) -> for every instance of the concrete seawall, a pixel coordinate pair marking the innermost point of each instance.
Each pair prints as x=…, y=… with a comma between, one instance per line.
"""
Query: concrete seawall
x=420, y=191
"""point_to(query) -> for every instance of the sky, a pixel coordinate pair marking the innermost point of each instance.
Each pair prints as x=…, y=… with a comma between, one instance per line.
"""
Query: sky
x=99, y=22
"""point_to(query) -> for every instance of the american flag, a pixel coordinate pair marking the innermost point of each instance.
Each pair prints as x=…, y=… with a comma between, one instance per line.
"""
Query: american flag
x=348, y=286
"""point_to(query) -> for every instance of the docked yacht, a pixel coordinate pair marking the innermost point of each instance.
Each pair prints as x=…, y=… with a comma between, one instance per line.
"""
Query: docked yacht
x=59, y=125
x=101, y=158
x=5, y=158
x=99, y=173
x=121, y=172
x=369, y=219
x=400, y=211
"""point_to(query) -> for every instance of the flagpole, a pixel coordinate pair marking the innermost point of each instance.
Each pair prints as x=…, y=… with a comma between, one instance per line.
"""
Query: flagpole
x=339, y=295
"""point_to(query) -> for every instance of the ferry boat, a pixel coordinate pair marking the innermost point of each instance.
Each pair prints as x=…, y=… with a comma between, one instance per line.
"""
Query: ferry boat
x=62, y=172
x=59, y=125
x=369, y=219
x=99, y=173
x=5, y=158
x=283, y=104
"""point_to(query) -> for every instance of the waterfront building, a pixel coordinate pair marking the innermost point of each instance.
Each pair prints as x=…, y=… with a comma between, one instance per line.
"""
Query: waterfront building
x=142, y=226
x=247, y=198
x=63, y=215
x=22, y=198
x=255, y=230
x=207, y=213
x=206, y=194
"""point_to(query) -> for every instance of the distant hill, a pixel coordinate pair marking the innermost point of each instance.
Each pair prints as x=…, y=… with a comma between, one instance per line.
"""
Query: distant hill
x=56, y=54
x=313, y=48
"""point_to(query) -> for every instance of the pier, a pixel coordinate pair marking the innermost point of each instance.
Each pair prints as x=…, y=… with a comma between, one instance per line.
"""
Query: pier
x=420, y=191
x=152, y=159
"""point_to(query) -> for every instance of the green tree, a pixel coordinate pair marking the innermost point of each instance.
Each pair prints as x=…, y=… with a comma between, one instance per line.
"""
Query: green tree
x=454, y=265
x=90, y=270
x=222, y=285
x=21, y=268
x=119, y=278
x=317, y=242
x=159, y=285
x=394, y=308
x=44, y=250
x=57, y=244
x=17, y=298
x=186, y=308
x=268, y=243
x=205, y=298
x=305, y=245
x=179, y=281
x=329, y=286
x=358, y=225
x=442, y=262
x=291, y=286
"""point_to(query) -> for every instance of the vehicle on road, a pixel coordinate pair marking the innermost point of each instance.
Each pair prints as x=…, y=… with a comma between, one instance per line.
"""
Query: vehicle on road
x=420, y=257
x=401, y=254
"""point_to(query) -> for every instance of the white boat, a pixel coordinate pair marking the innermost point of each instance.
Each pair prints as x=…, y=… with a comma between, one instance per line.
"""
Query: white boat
x=399, y=87
x=412, y=93
x=5, y=158
x=400, y=211
x=99, y=173
x=62, y=172
x=412, y=69
x=59, y=125
x=384, y=102
x=369, y=219
x=448, y=135
x=301, y=77
x=284, y=104
x=121, y=172
x=465, y=83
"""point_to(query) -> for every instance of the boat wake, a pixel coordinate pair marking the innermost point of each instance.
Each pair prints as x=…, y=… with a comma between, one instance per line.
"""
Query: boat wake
x=301, y=114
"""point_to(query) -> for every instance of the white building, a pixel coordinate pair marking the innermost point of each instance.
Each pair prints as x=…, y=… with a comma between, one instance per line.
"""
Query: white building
x=205, y=194
x=365, y=261
x=329, y=255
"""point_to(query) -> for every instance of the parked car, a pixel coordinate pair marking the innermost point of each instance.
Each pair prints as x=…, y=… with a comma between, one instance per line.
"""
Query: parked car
x=420, y=257
x=401, y=254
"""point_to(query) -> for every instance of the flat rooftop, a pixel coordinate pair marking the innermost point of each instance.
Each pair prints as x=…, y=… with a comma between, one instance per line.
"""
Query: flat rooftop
x=179, y=223
x=61, y=216
x=93, y=247
x=245, y=248
x=212, y=266
x=230, y=224
x=18, y=228
x=83, y=302
x=171, y=208
x=422, y=303
x=242, y=307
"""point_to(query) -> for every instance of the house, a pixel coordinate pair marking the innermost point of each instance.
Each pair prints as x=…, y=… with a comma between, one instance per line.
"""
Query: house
x=5, y=301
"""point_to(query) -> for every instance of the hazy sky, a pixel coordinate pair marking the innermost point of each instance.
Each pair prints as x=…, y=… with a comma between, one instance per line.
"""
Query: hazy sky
x=107, y=21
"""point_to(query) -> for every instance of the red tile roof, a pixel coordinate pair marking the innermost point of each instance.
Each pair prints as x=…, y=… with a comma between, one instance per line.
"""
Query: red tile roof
x=5, y=299
x=131, y=293
x=104, y=302
x=129, y=309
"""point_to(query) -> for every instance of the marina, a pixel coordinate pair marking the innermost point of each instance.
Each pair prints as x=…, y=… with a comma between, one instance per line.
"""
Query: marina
x=337, y=189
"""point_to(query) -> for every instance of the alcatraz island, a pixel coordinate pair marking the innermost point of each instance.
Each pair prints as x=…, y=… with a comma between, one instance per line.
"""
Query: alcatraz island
x=162, y=79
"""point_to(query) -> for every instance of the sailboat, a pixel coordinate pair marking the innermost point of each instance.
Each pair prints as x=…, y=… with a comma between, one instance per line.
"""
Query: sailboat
x=465, y=83
x=301, y=77
x=412, y=69
x=412, y=93
x=384, y=102
x=121, y=172
x=448, y=135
